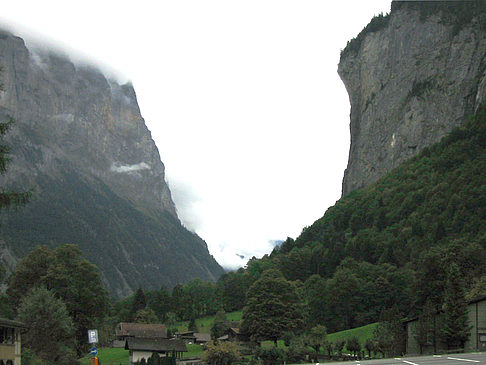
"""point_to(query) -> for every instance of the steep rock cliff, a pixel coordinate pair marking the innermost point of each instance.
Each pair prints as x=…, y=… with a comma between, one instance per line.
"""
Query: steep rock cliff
x=411, y=77
x=82, y=146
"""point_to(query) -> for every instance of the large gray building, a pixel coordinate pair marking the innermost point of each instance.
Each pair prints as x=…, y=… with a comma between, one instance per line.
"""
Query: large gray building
x=477, y=339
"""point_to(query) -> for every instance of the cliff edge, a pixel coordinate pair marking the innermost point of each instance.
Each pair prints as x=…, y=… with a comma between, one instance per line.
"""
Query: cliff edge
x=81, y=145
x=411, y=76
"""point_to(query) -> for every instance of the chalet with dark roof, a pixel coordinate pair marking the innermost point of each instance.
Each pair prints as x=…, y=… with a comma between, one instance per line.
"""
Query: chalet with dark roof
x=144, y=348
x=140, y=330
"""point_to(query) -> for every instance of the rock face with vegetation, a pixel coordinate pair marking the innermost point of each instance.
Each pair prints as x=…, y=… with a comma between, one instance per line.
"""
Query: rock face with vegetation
x=411, y=76
x=82, y=147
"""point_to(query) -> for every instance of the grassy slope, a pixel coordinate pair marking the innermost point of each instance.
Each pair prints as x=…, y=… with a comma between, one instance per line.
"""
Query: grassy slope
x=362, y=333
x=204, y=324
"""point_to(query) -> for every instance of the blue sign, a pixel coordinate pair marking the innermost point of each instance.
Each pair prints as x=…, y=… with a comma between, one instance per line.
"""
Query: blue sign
x=94, y=351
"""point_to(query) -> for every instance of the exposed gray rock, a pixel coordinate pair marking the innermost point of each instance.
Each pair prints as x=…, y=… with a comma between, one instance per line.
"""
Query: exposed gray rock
x=82, y=146
x=409, y=84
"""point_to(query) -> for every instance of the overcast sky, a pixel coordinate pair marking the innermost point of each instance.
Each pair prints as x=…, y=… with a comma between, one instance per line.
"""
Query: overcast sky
x=242, y=98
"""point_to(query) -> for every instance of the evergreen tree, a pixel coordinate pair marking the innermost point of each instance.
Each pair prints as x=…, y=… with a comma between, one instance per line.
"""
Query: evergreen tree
x=192, y=326
x=139, y=302
x=72, y=278
x=456, y=328
x=220, y=325
x=51, y=330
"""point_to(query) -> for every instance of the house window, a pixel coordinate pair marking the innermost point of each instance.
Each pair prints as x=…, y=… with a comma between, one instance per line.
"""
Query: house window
x=482, y=337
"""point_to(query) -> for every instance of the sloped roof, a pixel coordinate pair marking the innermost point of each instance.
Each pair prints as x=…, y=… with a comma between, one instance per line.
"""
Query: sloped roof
x=202, y=337
x=155, y=344
x=9, y=323
x=141, y=330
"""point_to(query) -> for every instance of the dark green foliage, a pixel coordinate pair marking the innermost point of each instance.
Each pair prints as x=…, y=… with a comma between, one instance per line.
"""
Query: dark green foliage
x=192, y=325
x=220, y=325
x=70, y=277
x=419, y=88
x=457, y=13
x=353, y=345
x=221, y=353
x=456, y=327
x=139, y=302
x=71, y=208
x=390, y=243
x=8, y=197
x=270, y=355
x=316, y=337
x=378, y=22
x=388, y=335
x=370, y=346
x=339, y=346
x=232, y=289
x=272, y=309
x=51, y=330
x=159, y=302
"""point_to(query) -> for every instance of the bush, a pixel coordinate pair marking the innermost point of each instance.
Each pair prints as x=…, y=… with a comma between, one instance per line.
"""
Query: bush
x=221, y=353
x=270, y=356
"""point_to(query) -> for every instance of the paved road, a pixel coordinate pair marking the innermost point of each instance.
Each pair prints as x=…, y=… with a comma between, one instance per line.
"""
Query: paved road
x=456, y=359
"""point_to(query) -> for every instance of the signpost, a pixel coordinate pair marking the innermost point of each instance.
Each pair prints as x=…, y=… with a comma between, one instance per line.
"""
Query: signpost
x=93, y=338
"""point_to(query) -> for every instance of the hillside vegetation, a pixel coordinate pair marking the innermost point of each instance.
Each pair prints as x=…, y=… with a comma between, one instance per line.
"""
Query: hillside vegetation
x=389, y=244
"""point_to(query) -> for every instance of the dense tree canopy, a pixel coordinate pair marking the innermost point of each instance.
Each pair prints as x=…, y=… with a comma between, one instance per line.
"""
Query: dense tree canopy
x=50, y=331
x=70, y=277
x=273, y=308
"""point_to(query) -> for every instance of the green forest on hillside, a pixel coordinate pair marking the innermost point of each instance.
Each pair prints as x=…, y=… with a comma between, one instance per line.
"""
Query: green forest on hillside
x=390, y=244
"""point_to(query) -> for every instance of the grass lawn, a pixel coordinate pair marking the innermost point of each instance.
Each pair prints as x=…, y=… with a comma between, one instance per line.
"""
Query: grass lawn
x=362, y=333
x=108, y=356
x=117, y=356
x=192, y=351
x=204, y=324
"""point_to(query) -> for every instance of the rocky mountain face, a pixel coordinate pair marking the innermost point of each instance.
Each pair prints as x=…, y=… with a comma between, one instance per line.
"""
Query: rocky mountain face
x=411, y=77
x=81, y=145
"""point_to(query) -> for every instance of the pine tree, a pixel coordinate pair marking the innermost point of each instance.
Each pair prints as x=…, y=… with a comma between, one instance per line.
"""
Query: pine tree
x=139, y=302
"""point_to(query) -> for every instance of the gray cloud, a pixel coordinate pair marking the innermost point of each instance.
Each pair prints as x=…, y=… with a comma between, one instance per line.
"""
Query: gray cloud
x=129, y=168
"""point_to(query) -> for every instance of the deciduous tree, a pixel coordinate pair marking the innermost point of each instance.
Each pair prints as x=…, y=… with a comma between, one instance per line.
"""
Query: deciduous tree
x=273, y=308
x=71, y=278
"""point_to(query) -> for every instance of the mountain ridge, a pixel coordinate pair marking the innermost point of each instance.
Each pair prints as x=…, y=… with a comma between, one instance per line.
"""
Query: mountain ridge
x=412, y=76
x=79, y=138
